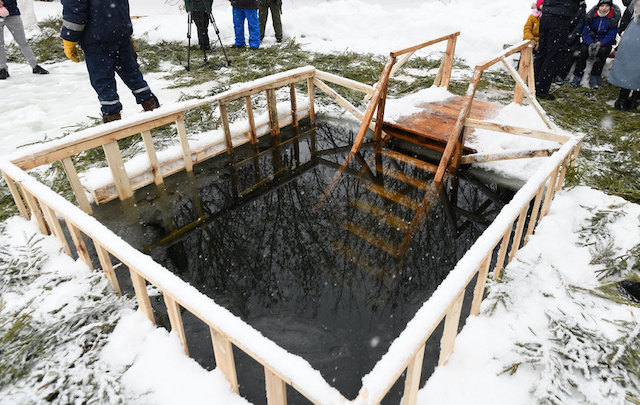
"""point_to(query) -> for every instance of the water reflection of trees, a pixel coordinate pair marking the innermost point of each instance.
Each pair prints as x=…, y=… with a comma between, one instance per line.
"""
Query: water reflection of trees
x=273, y=259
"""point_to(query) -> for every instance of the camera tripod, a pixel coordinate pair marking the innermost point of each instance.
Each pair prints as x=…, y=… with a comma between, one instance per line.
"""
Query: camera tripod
x=217, y=31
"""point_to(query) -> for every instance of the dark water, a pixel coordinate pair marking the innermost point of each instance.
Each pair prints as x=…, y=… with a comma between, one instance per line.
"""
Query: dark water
x=251, y=237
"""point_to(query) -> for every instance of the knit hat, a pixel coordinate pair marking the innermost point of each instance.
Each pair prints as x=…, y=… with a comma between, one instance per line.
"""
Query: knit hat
x=609, y=2
x=539, y=3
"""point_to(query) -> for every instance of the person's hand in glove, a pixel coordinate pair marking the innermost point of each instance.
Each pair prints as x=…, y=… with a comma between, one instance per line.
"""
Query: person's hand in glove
x=70, y=50
x=594, y=48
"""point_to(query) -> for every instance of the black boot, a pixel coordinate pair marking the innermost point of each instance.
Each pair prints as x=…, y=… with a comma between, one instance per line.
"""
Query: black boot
x=39, y=70
x=634, y=100
x=150, y=104
x=111, y=117
x=621, y=104
x=4, y=73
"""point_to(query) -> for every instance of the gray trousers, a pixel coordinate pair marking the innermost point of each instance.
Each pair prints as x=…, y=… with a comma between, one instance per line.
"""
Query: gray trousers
x=14, y=24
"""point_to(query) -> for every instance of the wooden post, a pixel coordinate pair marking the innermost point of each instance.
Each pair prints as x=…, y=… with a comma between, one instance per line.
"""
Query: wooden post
x=223, y=351
x=563, y=172
x=451, y=322
x=252, y=124
x=153, y=158
x=276, y=388
x=549, y=193
x=140, y=287
x=175, y=318
x=55, y=227
x=312, y=110
x=478, y=292
x=377, y=135
x=523, y=72
x=294, y=109
x=120, y=177
x=81, y=248
x=502, y=254
x=32, y=203
x=184, y=143
x=535, y=211
x=16, y=196
x=517, y=238
x=225, y=127
x=76, y=186
x=107, y=266
x=531, y=76
x=273, y=113
x=412, y=379
x=448, y=62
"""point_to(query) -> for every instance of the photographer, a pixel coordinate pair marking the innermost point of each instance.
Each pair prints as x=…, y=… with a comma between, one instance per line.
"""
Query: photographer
x=200, y=10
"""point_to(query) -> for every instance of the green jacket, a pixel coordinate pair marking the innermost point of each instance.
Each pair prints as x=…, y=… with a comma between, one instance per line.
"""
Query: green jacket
x=203, y=6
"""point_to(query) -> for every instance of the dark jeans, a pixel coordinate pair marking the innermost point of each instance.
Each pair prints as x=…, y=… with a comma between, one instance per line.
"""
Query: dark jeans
x=554, y=30
x=103, y=62
x=598, y=64
x=275, y=16
x=202, y=25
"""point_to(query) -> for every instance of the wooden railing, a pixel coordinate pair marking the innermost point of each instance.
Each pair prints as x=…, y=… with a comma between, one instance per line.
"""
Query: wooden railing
x=506, y=234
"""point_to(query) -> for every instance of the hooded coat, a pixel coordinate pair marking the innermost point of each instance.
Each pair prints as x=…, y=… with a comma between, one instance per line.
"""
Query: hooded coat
x=602, y=29
x=624, y=72
x=96, y=21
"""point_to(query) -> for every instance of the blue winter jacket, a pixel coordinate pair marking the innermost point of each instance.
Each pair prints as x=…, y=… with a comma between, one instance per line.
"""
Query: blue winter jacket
x=599, y=29
x=95, y=21
x=12, y=7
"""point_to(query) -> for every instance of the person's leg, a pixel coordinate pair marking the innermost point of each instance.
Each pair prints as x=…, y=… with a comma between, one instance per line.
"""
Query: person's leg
x=129, y=71
x=263, y=12
x=553, y=32
x=14, y=24
x=254, y=27
x=202, y=26
x=581, y=62
x=3, y=53
x=238, y=26
x=101, y=62
x=600, y=60
x=622, y=103
x=277, y=22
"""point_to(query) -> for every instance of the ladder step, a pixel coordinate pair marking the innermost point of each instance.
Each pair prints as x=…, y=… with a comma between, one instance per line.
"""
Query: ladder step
x=410, y=180
x=371, y=237
x=420, y=164
x=394, y=196
x=358, y=258
x=381, y=215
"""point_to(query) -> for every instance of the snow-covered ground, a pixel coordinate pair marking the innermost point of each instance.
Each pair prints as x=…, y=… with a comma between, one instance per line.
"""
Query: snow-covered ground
x=542, y=282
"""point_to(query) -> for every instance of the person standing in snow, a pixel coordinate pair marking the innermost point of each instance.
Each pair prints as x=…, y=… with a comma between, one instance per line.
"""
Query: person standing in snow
x=200, y=10
x=625, y=72
x=103, y=29
x=11, y=19
x=555, y=26
x=532, y=26
x=571, y=49
x=598, y=36
x=246, y=10
x=276, y=9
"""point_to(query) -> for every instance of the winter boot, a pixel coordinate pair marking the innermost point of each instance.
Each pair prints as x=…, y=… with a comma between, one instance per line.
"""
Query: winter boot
x=621, y=104
x=576, y=81
x=594, y=82
x=633, y=101
x=111, y=117
x=39, y=70
x=150, y=104
x=4, y=73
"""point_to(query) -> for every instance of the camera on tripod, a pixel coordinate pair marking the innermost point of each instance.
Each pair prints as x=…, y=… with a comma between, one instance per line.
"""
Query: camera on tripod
x=200, y=13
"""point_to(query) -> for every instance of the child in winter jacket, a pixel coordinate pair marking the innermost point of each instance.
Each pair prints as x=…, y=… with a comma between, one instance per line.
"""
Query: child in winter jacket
x=14, y=23
x=532, y=26
x=598, y=36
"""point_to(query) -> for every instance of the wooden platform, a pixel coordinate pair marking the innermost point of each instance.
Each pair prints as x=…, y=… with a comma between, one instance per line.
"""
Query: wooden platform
x=433, y=126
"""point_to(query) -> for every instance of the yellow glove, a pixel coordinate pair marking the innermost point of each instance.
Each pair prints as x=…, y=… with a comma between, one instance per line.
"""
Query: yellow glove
x=70, y=50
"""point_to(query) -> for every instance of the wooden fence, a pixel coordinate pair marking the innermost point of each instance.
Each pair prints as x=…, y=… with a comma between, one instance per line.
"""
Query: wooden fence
x=501, y=240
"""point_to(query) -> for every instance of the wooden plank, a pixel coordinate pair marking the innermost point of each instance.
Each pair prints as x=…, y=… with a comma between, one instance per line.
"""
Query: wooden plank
x=76, y=186
x=54, y=225
x=520, y=131
x=344, y=82
x=549, y=193
x=399, y=64
x=381, y=243
x=343, y=102
x=153, y=158
x=478, y=292
x=523, y=72
x=276, y=388
x=225, y=127
x=502, y=253
x=35, y=210
x=116, y=165
x=531, y=75
x=312, y=110
x=414, y=48
x=175, y=319
x=184, y=143
x=533, y=219
x=394, y=196
x=412, y=181
x=272, y=107
x=252, y=124
x=420, y=164
x=381, y=215
x=563, y=172
x=81, y=248
x=140, y=288
x=412, y=380
x=532, y=99
x=107, y=266
x=294, y=109
x=508, y=52
x=223, y=351
x=507, y=155
x=267, y=85
x=75, y=146
x=448, y=62
x=17, y=198
x=450, y=329
x=517, y=238
x=377, y=132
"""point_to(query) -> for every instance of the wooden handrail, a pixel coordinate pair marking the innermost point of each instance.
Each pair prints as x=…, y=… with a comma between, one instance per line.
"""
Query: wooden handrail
x=414, y=48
